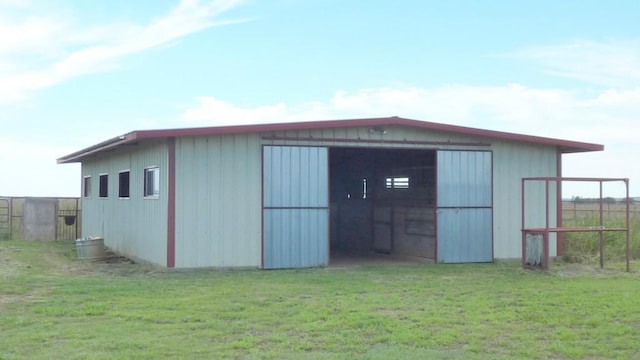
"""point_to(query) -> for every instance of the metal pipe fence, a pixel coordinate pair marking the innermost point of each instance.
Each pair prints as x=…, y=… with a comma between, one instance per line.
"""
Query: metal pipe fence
x=64, y=215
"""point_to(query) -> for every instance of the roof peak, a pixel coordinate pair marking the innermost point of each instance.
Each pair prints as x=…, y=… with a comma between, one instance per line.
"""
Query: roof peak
x=566, y=146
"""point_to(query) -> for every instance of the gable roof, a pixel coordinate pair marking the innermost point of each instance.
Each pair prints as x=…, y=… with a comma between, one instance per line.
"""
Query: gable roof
x=565, y=146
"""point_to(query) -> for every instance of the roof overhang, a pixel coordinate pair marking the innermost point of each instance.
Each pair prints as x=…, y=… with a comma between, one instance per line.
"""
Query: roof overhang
x=97, y=148
x=564, y=146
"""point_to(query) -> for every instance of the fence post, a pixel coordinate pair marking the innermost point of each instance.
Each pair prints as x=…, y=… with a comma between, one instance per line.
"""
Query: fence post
x=11, y=218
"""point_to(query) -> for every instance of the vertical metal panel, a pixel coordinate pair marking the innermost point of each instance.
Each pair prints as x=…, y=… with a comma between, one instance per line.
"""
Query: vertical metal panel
x=218, y=201
x=136, y=226
x=464, y=235
x=295, y=238
x=513, y=161
x=295, y=176
x=464, y=229
x=296, y=213
x=464, y=178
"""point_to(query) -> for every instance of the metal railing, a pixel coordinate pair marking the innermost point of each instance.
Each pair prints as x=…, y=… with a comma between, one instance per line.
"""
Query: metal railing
x=5, y=219
x=68, y=218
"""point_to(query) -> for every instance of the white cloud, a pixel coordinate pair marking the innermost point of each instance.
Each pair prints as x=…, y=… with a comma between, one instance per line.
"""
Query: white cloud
x=48, y=49
x=608, y=117
x=611, y=63
x=545, y=112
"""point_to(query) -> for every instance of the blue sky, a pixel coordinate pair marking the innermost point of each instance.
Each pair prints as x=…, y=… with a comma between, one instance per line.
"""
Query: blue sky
x=74, y=73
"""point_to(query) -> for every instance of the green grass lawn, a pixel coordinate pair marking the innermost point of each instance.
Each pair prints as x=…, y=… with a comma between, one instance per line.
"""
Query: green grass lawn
x=52, y=306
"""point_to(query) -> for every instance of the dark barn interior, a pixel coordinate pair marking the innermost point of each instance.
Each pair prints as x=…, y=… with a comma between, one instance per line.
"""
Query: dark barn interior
x=382, y=203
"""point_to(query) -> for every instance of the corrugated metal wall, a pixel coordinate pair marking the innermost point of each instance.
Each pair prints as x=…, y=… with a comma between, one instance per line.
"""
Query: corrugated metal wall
x=136, y=226
x=219, y=192
x=296, y=207
x=464, y=235
x=403, y=135
x=218, y=201
x=511, y=162
x=464, y=206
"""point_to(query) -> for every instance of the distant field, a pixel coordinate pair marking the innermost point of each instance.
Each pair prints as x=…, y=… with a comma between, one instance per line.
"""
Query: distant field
x=583, y=247
x=55, y=307
x=580, y=210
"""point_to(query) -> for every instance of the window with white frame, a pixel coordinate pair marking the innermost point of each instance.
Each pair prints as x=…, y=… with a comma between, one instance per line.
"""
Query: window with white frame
x=400, y=182
x=152, y=182
x=86, y=187
x=123, y=184
x=104, y=186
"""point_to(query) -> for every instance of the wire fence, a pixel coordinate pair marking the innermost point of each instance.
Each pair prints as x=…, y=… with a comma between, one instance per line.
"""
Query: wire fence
x=579, y=213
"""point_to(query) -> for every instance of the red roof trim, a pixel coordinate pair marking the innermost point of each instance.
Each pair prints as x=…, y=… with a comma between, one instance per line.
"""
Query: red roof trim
x=566, y=146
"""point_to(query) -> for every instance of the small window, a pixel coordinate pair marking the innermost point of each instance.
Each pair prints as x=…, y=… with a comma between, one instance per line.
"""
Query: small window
x=397, y=182
x=123, y=184
x=86, y=186
x=104, y=185
x=152, y=182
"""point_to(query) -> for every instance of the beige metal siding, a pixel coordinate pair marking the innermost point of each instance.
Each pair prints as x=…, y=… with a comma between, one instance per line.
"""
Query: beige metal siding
x=393, y=137
x=136, y=226
x=511, y=162
x=218, y=201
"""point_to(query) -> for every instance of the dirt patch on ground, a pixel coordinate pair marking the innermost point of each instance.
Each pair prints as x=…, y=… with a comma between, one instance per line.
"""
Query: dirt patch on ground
x=574, y=269
x=63, y=259
x=7, y=299
x=118, y=265
x=341, y=260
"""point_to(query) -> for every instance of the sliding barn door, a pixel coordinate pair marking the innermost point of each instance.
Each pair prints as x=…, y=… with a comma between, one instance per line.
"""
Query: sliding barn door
x=296, y=207
x=464, y=207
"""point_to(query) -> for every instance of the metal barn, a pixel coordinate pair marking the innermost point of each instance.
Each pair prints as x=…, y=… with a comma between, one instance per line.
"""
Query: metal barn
x=300, y=194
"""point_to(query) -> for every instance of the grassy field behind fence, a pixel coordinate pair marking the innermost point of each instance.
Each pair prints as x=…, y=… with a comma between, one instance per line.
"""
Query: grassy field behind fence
x=63, y=230
x=583, y=247
x=52, y=306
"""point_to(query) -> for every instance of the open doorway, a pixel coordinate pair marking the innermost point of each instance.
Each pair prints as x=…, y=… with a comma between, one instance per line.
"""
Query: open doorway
x=382, y=204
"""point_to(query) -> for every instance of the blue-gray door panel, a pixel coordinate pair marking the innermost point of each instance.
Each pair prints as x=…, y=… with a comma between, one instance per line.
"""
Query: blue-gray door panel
x=464, y=198
x=464, y=179
x=296, y=211
x=465, y=235
x=295, y=238
x=296, y=176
